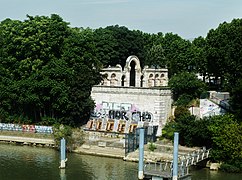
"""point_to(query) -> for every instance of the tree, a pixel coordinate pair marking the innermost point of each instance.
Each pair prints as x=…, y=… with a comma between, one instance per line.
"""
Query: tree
x=178, y=54
x=236, y=99
x=189, y=133
x=48, y=70
x=200, y=61
x=227, y=139
x=114, y=44
x=186, y=83
x=156, y=57
x=223, y=52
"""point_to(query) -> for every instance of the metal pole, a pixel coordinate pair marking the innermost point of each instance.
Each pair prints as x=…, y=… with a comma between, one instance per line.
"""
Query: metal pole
x=175, y=156
x=63, y=153
x=141, y=153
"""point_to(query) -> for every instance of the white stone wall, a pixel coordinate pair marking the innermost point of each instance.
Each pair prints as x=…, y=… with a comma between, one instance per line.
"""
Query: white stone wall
x=156, y=101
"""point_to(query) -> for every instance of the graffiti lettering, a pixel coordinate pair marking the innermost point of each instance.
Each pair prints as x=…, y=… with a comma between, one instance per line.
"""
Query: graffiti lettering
x=123, y=111
x=26, y=128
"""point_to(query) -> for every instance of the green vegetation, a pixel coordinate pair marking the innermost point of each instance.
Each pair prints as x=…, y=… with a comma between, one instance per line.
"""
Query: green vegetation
x=47, y=70
x=151, y=146
x=74, y=136
x=221, y=133
x=185, y=87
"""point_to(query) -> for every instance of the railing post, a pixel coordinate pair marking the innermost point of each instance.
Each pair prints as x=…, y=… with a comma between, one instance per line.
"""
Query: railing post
x=141, y=153
x=175, y=157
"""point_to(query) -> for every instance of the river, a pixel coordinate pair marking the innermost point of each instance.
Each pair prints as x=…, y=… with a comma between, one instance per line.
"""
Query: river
x=27, y=163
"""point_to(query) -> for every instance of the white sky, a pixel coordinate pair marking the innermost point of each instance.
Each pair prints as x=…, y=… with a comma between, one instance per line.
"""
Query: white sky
x=187, y=18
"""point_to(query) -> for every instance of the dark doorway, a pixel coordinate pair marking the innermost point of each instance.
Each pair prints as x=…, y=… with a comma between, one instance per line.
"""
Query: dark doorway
x=132, y=74
x=141, y=81
x=122, y=80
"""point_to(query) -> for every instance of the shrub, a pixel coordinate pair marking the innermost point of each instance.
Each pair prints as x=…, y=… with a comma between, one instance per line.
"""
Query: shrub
x=151, y=146
x=230, y=168
x=168, y=130
x=181, y=111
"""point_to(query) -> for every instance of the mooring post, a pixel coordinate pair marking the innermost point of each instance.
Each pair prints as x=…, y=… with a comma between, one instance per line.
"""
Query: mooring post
x=141, y=153
x=175, y=156
x=63, y=153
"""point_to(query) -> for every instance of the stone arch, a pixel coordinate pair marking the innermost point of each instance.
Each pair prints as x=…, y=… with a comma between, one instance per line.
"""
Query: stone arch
x=133, y=71
x=134, y=59
x=104, y=81
x=113, y=79
x=157, y=80
x=150, y=80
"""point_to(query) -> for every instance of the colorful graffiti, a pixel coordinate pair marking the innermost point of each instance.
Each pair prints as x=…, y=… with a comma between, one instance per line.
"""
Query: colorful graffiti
x=26, y=128
x=123, y=111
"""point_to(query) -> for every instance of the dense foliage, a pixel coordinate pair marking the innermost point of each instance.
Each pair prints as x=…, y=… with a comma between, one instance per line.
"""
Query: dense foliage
x=47, y=68
x=186, y=85
x=221, y=133
x=47, y=71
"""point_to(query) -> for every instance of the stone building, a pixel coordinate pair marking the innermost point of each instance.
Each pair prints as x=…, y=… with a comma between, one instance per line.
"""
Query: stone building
x=133, y=76
x=131, y=95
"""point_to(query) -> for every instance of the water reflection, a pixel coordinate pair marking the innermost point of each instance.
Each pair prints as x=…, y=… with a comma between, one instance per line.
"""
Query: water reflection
x=27, y=163
x=62, y=174
x=206, y=174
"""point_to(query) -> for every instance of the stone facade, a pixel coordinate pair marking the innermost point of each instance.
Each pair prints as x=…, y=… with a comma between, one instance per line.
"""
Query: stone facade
x=133, y=76
x=133, y=95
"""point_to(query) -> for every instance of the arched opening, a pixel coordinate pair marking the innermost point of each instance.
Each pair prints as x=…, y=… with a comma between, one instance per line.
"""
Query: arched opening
x=132, y=74
x=113, y=80
x=157, y=80
x=105, y=80
x=150, y=80
x=122, y=80
x=141, y=81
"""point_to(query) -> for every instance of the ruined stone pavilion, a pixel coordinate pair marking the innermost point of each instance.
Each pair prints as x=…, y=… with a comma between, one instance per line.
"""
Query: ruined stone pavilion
x=131, y=96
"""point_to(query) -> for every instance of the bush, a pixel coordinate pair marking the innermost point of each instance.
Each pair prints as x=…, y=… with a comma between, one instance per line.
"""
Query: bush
x=183, y=100
x=168, y=130
x=230, y=168
x=151, y=146
x=61, y=131
x=181, y=111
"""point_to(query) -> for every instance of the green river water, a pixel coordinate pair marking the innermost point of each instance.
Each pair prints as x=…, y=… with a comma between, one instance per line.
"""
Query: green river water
x=27, y=163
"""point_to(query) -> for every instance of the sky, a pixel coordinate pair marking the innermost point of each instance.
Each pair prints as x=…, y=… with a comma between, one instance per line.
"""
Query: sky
x=187, y=18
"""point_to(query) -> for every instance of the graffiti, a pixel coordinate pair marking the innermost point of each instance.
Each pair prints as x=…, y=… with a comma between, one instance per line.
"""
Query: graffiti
x=26, y=128
x=123, y=111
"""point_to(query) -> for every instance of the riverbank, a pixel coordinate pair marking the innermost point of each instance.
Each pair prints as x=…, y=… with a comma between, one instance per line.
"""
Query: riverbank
x=101, y=144
x=27, y=138
x=113, y=145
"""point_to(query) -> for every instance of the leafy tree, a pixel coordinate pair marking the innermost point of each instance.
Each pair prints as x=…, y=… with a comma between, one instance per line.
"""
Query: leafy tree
x=223, y=52
x=181, y=111
x=115, y=43
x=186, y=83
x=200, y=61
x=106, y=45
x=227, y=139
x=236, y=99
x=48, y=70
x=156, y=57
x=189, y=133
x=178, y=54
